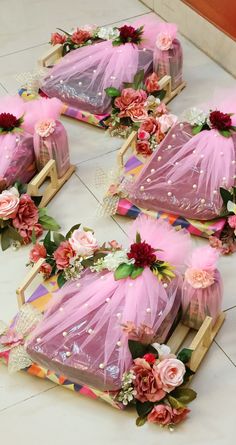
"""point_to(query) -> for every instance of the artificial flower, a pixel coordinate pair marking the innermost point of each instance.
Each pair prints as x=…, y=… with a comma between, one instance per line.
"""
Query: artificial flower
x=164, y=41
x=83, y=243
x=108, y=33
x=115, y=245
x=143, y=135
x=152, y=103
x=136, y=112
x=178, y=415
x=80, y=36
x=150, y=358
x=27, y=214
x=63, y=255
x=46, y=270
x=143, y=148
x=231, y=207
x=159, y=136
x=151, y=83
x=163, y=350
x=195, y=116
x=27, y=233
x=129, y=97
x=171, y=373
x=57, y=38
x=129, y=34
x=166, y=121
x=38, y=251
x=232, y=221
x=8, y=122
x=9, y=204
x=150, y=125
x=220, y=121
x=45, y=128
x=199, y=278
x=161, y=414
x=142, y=253
x=147, y=382
x=114, y=259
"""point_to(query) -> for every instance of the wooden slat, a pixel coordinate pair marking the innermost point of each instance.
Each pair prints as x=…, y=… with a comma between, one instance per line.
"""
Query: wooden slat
x=178, y=337
x=130, y=142
x=27, y=281
x=51, y=56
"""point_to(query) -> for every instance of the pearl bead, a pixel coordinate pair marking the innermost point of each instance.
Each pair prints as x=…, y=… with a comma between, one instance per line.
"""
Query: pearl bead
x=64, y=334
x=51, y=77
x=101, y=365
x=169, y=194
x=85, y=304
x=61, y=81
x=113, y=77
x=169, y=182
x=142, y=188
x=102, y=277
x=118, y=343
x=173, y=136
x=38, y=340
x=165, y=285
x=181, y=125
x=194, y=186
x=107, y=300
x=78, y=284
x=144, y=49
x=202, y=156
x=176, y=163
x=99, y=94
x=201, y=171
x=159, y=158
x=169, y=146
x=80, y=83
x=94, y=71
x=224, y=178
x=118, y=314
x=60, y=309
x=90, y=331
x=148, y=310
x=68, y=353
x=215, y=192
x=221, y=153
x=148, y=180
x=203, y=201
x=194, y=151
x=233, y=162
x=131, y=284
x=152, y=170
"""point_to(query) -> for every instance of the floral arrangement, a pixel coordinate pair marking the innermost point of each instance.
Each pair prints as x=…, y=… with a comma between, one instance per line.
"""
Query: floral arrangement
x=10, y=123
x=69, y=255
x=138, y=107
x=21, y=221
x=226, y=243
x=128, y=34
x=208, y=121
x=156, y=381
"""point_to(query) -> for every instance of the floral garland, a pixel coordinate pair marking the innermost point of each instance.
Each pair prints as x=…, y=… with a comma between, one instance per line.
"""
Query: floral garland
x=156, y=381
x=21, y=221
x=138, y=107
x=208, y=121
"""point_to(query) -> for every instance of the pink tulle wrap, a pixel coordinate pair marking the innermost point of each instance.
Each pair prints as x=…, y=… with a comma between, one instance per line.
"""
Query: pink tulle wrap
x=168, y=61
x=81, y=334
x=184, y=176
x=81, y=77
x=202, y=288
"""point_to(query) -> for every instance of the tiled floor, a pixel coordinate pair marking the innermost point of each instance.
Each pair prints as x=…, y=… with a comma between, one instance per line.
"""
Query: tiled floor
x=35, y=411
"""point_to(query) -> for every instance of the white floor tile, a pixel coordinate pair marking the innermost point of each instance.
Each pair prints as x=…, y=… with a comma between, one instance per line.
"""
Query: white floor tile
x=226, y=336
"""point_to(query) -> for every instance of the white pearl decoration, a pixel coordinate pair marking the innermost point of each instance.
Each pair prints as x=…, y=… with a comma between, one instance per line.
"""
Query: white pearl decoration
x=131, y=284
x=118, y=314
x=152, y=170
x=60, y=309
x=203, y=201
x=118, y=343
x=173, y=136
x=233, y=162
x=101, y=365
x=90, y=331
x=194, y=151
x=80, y=83
x=68, y=353
x=148, y=310
x=176, y=163
x=201, y=172
x=181, y=125
x=142, y=188
x=61, y=81
x=107, y=300
x=94, y=71
x=169, y=146
x=169, y=194
x=148, y=180
x=78, y=284
x=38, y=340
x=165, y=285
x=64, y=334
x=224, y=178
x=51, y=77
x=169, y=182
x=159, y=158
x=99, y=94
x=194, y=186
x=202, y=156
x=221, y=153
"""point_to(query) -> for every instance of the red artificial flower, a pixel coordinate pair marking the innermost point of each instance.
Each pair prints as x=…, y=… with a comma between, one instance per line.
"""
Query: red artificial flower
x=8, y=121
x=143, y=148
x=142, y=253
x=129, y=34
x=220, y=121
x=150, y=358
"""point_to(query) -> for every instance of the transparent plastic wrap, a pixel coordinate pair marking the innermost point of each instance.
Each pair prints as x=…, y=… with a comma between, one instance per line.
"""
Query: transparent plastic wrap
x=81, y=77
x=202, y=288
x=184, y=176
x=82, y=334
x=52, y=144
x=168, y=54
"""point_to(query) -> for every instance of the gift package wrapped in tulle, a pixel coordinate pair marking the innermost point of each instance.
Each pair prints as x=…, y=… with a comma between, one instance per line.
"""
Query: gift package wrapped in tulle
x=84, y=333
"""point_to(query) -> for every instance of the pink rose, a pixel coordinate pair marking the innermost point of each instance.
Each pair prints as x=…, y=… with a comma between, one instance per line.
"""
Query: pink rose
x=80, y=36
x=164, y=41
x=137, y=113
x=179, y=414
x=37, y=252
x=9, y=204
x=151, y=83
x=27, y=233
x=161, y=109
x=147, y=382
x=143, y=148
x=115, y=245
x=171, y=373
x=143, y=135
x=27, y=215
x=161, y=414
x=63, y=255
x=159, y=136
x=46, y=270
x=83, y=243
x=128, y=97
x=166, y=121
x=89, y=28
x=57, y=38
x=45, y=128
x=150, y=125
x=199, y=279
x=232, y=221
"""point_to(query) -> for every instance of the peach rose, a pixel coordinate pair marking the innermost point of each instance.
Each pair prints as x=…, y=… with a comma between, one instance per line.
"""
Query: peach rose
x=179, y=414
x=46, y=270
x=151, y=83
x=37, y=252
x=161, y=414
x=57, y=38
x=45, y=128
x=164, y=41
x=137, y=113
x=232, y=221
x=9, y=204
x=128, y=97
x=171, y=373
x=80, y=36
x=143, y=148
x=83, y=243
x=27, y=233
x=198, y=278
x=166, y=121
x=27, y=215
x=150, y=125
x=147, y=382
x=63, y=255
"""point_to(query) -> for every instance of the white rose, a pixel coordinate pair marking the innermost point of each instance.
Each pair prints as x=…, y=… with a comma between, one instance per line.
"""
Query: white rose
x=162, y=350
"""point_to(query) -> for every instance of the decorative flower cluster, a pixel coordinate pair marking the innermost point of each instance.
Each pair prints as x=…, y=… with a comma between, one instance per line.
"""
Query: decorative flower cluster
x=9, y=123
x=155, y=381
x=138, y=107
x=21, y=221
x=128, y=34
x=45, y=128
x=214, y=120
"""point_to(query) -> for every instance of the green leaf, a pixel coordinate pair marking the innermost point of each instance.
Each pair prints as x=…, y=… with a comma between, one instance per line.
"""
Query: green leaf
x=197, y=129
x=5, y=240
x=87, y=229
x=49, y=223
x=233, y=127
x=184, y=395
x=140, y=421
x=123, y=271
x=58, y=238
x=159, y=93
x=33, y=237
x=49, y=245
x=137, y=349
x=22, y=188
x=73, y=228
x=138, y=237
x=175, y=403
x=65, y=32
x=42, y=211
x=61, y=280
x=143, y=409
x=138, y=79
x=225, y=195
x=225, y=133
x=185, y=355
x=136, y=272
x=188, y=374
x=112, y=92
x=13, y=234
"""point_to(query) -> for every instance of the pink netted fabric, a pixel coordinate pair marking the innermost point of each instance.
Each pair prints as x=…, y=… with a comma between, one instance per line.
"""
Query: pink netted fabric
x=184, y=176
x=81, y=77
x=81, y=334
